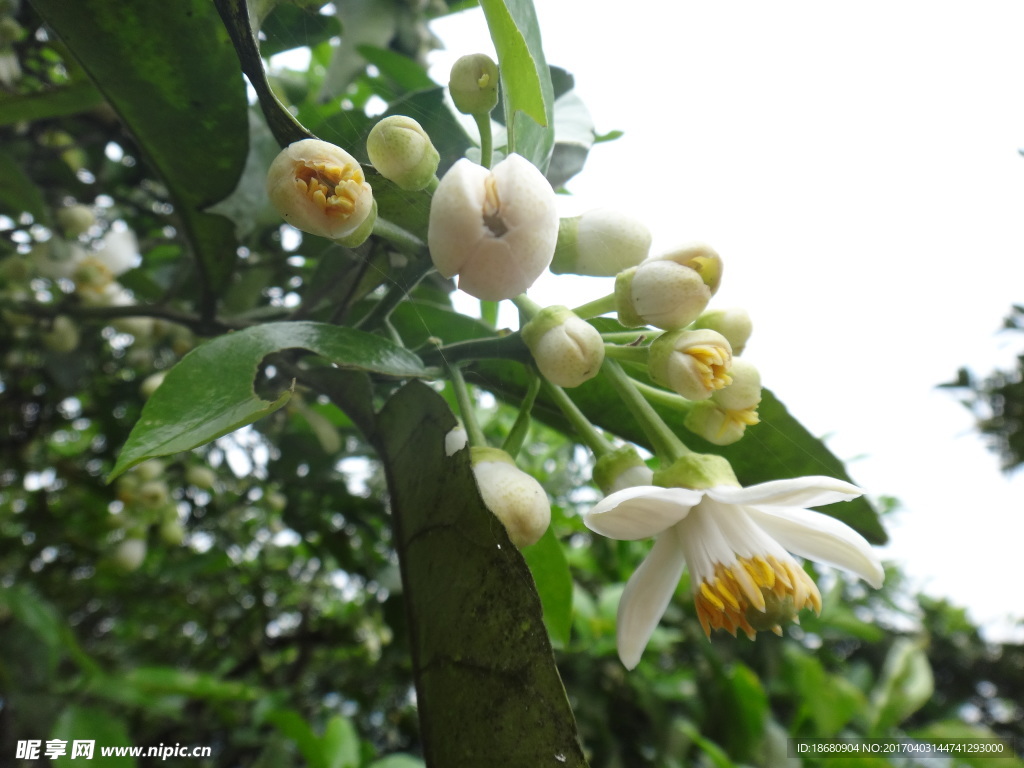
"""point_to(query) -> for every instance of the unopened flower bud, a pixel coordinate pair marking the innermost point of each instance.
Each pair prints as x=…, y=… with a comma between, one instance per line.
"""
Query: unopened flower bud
x=151, y=383
x=495, y=229
x=668, y=291
x=744, y=393
x=153, y=494
x=402, y=152
x=455, y=440
x=171, y=532
x=320, y=188
x=600, y=243
x=75, y=220
x=717, y=425
x=129, y=554
x=692, y=363
x=63, y=335
x=568, y=351
x=621, y=468
x=201, y=477
x=513, y=496
x=473, y=84
x=149, y=470
x=733, y=323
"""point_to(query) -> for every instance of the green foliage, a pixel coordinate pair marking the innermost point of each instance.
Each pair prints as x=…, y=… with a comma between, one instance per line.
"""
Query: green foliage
x=286, y=566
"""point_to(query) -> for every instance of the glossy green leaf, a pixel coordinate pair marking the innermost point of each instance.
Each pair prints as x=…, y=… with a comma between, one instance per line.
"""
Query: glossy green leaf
x=525, y=79
x=551, y=574
x=180, y=94
x=405, y=72
x=81, y=723
x=210, y=392
x=486, y=680
x=289, y=26
x=292, y=725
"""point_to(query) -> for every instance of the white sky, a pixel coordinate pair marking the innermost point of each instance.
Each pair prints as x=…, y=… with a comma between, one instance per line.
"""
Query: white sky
x=856, y=166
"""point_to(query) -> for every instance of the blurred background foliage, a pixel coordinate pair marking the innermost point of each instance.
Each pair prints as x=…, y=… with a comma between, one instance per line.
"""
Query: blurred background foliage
x=245, y=595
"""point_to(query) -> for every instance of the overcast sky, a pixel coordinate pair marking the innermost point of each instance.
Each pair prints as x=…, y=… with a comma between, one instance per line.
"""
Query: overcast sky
x=856, y=166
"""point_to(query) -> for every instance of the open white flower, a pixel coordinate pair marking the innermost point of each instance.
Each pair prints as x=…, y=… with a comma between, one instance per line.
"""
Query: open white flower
x=496, y=229
x=737, y=543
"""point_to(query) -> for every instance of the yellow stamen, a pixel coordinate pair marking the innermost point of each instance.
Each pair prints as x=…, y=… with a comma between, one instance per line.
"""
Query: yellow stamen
x=333, y=188
x=754, y=594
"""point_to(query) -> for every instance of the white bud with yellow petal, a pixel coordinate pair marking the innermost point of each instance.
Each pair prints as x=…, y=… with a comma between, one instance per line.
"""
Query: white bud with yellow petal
x=717, y=425
x=402, y=152
x=668, y=291
x=513, y=496
x=321, y=189
x=693, y=364
x=495, y=229
x=744, y=392
x=568, y=350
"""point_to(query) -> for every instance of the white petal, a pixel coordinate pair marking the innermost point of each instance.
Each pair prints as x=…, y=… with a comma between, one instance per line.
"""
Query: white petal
x=796, y=492
x=646, y=597
x=821, y=538
x=640, y=512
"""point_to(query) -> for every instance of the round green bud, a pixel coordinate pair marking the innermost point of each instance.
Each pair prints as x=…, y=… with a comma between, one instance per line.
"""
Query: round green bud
x=474, y=84
x=402, y=152
x=621, y=468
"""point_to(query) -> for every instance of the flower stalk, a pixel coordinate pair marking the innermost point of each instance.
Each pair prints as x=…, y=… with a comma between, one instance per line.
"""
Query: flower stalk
x=665, y=442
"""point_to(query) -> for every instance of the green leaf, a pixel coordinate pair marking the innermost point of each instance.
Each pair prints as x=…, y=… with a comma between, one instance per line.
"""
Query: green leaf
x=551, y=574
x=39, y=617
x=486, y=680
x=949, y=730
x=525, y=78
x=18, y=193
x=406, y=73
x=397, y=761
x=181, y=96
x=70, y=99
x=905, y=686
x=292, y=725
x=91, y=724
x=210, y=392
x=340, y=743
x=157, y=681
x=289, y=26
x=829, y=701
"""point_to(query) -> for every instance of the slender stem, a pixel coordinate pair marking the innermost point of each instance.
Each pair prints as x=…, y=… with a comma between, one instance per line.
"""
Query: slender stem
x=517, y=435
x=637, y=355
x=586, y=431
x=665, y=442
x=509, y=347
x=483, y=124
x=631, y=338
x=473, y=431
x=664, y=397
x=527, y=307
x=597, y=307
x=402, y=239
x=395, y=294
